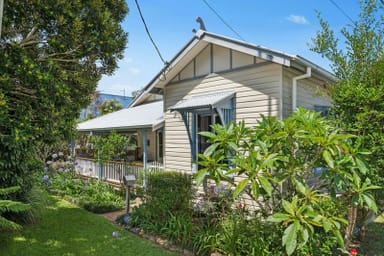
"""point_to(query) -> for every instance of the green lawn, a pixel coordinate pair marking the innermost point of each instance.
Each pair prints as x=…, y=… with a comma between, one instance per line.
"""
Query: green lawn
x=373, y=244
x=65, y=229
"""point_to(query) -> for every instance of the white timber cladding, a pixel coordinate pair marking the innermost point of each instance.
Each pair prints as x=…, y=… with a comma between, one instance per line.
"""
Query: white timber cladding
x=257, y=92
x=311, y=92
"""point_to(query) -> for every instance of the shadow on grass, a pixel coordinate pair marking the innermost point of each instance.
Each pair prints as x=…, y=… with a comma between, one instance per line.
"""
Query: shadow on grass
x=65, y=229
x=373, y=244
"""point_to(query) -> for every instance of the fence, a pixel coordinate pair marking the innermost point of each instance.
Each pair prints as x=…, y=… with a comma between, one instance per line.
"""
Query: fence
x=114, y=171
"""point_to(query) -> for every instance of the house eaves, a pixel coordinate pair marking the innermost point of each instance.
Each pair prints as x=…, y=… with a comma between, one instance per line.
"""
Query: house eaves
x=141, y=117
x=202, y=38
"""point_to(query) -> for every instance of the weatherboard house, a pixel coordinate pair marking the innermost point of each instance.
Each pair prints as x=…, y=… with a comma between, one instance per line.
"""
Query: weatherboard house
x=214, y=79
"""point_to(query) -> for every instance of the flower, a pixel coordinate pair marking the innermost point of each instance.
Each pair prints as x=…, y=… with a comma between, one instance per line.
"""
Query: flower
x=61, y=154
x=353, y=251
x=54, y=156
x=44, y=178
x=240, y=206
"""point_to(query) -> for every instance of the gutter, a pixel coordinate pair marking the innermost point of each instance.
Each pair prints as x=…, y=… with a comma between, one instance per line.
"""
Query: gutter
x=294, y=86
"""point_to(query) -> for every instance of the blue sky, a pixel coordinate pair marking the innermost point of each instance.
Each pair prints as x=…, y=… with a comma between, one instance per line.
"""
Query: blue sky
x=283, y=25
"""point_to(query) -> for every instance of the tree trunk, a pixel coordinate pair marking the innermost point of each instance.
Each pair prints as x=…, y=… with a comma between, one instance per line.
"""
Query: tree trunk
x=352, y=215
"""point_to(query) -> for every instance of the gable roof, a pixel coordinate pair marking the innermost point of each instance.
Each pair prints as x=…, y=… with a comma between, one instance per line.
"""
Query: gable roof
x=202, y=38
x=144, y=116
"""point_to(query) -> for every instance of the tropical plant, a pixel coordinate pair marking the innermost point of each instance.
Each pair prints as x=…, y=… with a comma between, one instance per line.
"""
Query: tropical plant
x=277, y=160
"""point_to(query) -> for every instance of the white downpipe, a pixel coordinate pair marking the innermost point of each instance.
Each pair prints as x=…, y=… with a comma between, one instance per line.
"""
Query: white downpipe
x=294, y=87
x=1, y=14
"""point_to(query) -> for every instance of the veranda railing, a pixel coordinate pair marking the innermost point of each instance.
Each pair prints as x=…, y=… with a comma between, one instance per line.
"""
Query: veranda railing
x=114, y=170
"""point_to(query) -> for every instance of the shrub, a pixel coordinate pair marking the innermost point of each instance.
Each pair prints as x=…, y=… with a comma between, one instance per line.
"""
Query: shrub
x=93, y=195
x=167, y=209
x=237, y=235
x=100, y=197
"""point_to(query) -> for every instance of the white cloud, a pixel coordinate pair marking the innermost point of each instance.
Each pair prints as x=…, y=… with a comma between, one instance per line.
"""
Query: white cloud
x=297, y=19
x=134, y=71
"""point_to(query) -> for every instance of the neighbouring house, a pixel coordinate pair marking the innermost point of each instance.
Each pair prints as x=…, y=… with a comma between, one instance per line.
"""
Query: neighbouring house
x=92, y=109
x=214, y=79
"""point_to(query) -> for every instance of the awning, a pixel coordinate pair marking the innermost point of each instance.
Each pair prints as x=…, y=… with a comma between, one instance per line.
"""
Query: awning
x=203, y=101
x=146, y=116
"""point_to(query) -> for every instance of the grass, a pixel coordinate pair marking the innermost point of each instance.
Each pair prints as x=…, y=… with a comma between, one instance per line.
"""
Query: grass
x=373, y=244
x=65, y=229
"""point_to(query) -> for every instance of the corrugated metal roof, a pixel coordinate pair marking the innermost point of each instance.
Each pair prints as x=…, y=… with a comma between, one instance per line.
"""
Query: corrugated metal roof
x=143, y=116
x=201, y=101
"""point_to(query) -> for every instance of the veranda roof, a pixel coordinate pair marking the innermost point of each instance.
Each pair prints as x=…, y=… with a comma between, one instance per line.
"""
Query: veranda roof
x=140, y=117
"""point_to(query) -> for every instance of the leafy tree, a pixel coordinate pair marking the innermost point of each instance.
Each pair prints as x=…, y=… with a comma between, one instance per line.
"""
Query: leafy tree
x=53, y=54
x=358, y=62
x=359, y=65
x=109, y=106
x=277, y=161
x=112, y=147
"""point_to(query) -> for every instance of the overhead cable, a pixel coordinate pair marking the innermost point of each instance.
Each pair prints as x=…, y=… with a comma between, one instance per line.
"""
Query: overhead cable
x=222, y=20
x=149, y=34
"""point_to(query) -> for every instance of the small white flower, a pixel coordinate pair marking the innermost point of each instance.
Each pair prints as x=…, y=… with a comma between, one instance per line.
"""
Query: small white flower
x=61, y=153
x=54, y=156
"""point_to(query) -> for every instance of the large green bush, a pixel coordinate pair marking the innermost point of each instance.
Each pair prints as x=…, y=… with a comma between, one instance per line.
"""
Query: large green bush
x=167, y=207
x=291, y=168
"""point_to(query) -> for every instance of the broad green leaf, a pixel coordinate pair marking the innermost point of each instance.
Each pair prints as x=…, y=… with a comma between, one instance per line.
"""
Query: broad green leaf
x=209, y=135
x=200, y=175
x=305, y=236
x=209, y=151
x=328, y=158
x=370, y=201
x=299, y=186
x=233, y=146
x=240, y=187
x=327, y=225
x=255, y=189
x=339, y=237
x=278, y=217
x=362, y=167
x=290, y=237
x=371, y=187
x=265, y=184
x=288, y=207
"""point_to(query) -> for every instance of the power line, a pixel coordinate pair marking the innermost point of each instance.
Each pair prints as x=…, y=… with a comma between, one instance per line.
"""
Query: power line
x=342, y=11
x=149, y=34
x=222, y=20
